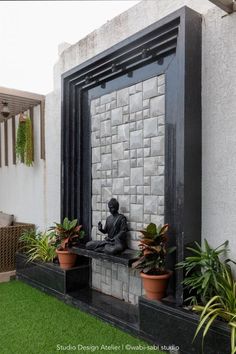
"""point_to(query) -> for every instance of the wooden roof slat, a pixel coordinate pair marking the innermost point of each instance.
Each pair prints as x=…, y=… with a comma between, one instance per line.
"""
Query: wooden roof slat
x=19, y=101
x=22, y=94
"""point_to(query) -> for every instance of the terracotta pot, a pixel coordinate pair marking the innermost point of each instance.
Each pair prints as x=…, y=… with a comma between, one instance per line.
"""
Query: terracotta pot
x=66, y=259
x=155, y=285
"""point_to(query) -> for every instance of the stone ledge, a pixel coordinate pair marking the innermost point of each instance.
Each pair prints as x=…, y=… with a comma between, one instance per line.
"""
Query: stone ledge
x=126, y=258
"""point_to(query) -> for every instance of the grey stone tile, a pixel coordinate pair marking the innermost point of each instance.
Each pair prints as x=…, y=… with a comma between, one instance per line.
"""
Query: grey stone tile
x=124, y=203
x=113, y=104
x=150, y=166
x=133, y=162
x=116, y=116
x=123, y=274
x=136, y=176
x=157, y=106
x=122, y=97
x=150, y=204
x=124, y=168
x=135, y=285
x=96, y=154
x=147, y=142
x=136, y=102
x=150, y=88
x=161, y=120
x=125, y=110
x=117, y=289
x=146, y=113
x=118, y=186
x=150, y=127
x=147, y=152
x=117, y=151
x=133, y=199
x=106, y=162
x=123, y=132
x=105, y=128
x=139, y=115
x=106, y=288
x=139, y=125
x=140, y=190
x=140, y=162
x=95, y=123
x=157, y=146
x=157, y=185
x=136, y=139
x=106, y=196
x=136, y=212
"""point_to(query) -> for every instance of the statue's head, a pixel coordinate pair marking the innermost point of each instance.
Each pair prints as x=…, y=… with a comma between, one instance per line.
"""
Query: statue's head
x=113, y=206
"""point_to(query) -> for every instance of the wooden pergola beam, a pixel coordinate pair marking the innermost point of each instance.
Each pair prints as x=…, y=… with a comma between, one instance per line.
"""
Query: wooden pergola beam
x=21, y=94
x=225, y=5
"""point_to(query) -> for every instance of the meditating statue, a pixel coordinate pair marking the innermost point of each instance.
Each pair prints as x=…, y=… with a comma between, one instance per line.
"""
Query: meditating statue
x=116, y=228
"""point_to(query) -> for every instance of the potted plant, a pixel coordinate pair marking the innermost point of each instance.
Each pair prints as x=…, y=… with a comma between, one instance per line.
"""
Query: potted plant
x=152, y=260
x=67, y=235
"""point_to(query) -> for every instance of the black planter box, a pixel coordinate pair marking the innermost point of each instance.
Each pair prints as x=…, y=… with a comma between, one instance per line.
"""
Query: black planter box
x=50, y=278
x=170, y=326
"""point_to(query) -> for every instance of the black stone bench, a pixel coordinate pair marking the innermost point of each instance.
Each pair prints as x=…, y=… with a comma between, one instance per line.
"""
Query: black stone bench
x=126, y=258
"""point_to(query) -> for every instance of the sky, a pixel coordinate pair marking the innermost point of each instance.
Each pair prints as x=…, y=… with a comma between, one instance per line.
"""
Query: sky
x=30, y=32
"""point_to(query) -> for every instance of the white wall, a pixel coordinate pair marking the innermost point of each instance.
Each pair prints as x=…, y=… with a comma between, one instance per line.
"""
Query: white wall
x=219, y=121
x=22, y=190
x=219, y=129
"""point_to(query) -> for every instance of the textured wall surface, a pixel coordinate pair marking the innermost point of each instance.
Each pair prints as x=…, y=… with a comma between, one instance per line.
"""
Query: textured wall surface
x=127, y=139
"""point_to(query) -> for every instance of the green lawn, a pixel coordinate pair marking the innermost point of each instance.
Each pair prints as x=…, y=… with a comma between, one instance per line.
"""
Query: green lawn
x=32, y=322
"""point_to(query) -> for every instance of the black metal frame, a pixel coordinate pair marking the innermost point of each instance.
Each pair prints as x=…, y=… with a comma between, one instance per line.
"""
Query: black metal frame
x=171, y=46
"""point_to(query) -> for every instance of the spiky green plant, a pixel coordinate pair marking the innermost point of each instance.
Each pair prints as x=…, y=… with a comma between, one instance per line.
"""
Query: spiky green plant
x=201, y=271
x=221, y=306
x=38, y=246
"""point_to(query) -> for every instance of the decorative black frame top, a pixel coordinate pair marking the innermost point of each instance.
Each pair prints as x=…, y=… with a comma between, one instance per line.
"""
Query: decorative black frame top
x=177, y=36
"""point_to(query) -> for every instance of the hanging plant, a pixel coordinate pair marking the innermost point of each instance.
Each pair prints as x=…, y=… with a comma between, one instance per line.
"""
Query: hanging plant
x=24, y=141
x=20, y=140
x=28, y=142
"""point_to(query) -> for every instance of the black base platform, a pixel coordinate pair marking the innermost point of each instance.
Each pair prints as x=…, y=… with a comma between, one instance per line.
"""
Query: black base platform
x=108, y=308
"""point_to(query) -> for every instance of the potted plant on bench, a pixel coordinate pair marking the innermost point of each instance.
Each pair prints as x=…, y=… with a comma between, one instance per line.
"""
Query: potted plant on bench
x=152, y=260
x=67, y=235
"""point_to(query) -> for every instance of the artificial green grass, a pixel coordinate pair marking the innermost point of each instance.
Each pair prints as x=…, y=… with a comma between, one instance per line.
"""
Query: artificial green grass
x=32, y=322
